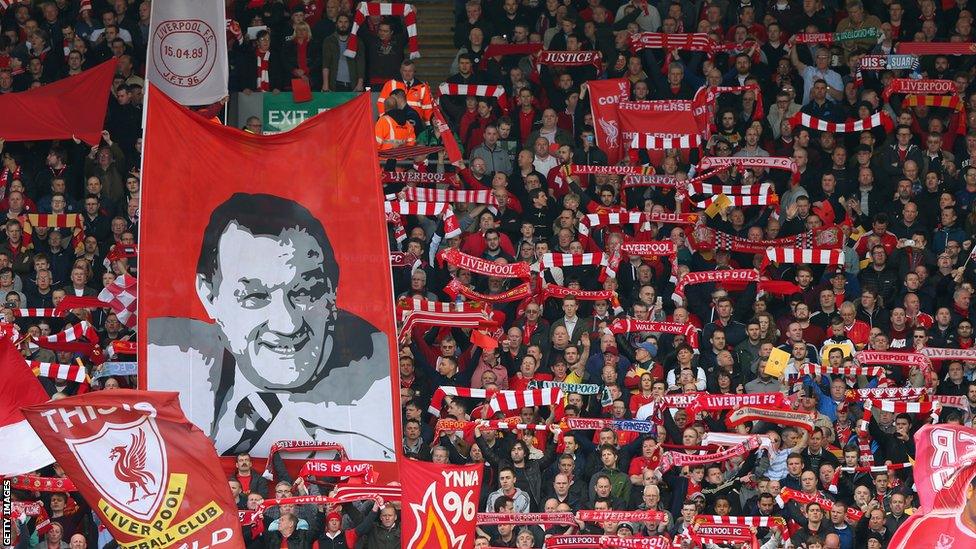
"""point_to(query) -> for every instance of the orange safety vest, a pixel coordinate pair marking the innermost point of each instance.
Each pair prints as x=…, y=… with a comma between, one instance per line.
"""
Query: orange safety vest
x=390, y=135
x=418, y=97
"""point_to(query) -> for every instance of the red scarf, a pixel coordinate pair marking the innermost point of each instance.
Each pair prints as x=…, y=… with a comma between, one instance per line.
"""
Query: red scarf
x=264, y=70
x=301, y=48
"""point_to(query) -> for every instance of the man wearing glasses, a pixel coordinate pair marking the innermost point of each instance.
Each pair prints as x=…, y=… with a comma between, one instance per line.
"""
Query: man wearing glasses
x=821, y=71
x=893, y=158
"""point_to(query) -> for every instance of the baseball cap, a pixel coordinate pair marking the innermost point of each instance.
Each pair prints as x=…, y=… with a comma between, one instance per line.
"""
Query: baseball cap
x=612, y=350
x=649, y=347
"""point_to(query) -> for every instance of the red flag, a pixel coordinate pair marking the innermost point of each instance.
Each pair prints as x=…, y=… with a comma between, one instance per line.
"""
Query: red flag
x=605, y=95
x=22, y=449
x=135, y=457
x=443, y=503
x=73, y=106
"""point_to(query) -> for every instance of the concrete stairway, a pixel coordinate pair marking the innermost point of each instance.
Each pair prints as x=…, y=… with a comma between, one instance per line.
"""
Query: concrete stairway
x=435, y=31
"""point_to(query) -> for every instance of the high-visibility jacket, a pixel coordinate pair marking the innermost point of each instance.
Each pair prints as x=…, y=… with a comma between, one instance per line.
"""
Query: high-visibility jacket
x=390, y=134
x=418, y=97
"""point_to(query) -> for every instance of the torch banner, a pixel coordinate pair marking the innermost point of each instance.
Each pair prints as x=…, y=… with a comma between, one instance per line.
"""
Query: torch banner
x=271, y=310
x=944, y=470
x=440, y=504
x=151, y=476
x=605, y=95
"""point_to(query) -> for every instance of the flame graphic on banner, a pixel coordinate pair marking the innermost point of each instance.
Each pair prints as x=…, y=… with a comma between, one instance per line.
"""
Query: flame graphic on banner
x=437, y=531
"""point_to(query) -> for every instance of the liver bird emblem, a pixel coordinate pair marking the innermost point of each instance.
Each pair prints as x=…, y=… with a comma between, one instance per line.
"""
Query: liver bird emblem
x=609, y=128
x=130, y=465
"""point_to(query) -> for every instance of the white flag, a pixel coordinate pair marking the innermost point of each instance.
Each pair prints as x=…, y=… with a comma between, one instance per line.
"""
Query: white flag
x=187, y=56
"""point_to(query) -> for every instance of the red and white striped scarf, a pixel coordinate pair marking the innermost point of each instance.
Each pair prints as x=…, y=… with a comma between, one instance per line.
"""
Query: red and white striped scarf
x=923, y=86
x=650, y=249
x=64, y=372
x=41, y=313
x=504, y=401
x=548, y=519
x=583, y=169
x=803, y=420
x=758, y=111
x=453, y=319
x=445, y=134
x=454, y=288
x=6, y=178
x=477, y=265
x=476, y=90
x=943, y=353
x=77, y=331
x=698, y=41
x=650, y=181
x=728, y=275
x=551, y=260
x=417, y=194
x=707, y=402
x=767, y=162
x=736, y=535
x=672, y=218
x=630, y=325
x=430, y=178
x=406, y=305
x=895, y=407
x=795, y=256
x=761, y=189
x=560, y=292
x=864, y=469
x=437, y=400
x=264, y=70
x=818, y=370
x=755, y=522
x=649, y=141
x=873, y=121
x=605, y=219
x=679, y=459
x=742, y=200
x=886, y=393
x=591, y=515
x=430, y=209
x=788, y=494
x=365, y=9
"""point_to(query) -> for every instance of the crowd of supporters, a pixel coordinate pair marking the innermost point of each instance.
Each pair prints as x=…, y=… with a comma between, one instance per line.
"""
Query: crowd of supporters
x=901, y=201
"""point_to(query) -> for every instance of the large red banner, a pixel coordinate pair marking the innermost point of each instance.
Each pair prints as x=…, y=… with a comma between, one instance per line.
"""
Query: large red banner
x=74, y=106
x=605, y=95
x=265, y=290
x=440, y=504
x=152, y=478
x=660, y=119
x=945, y=473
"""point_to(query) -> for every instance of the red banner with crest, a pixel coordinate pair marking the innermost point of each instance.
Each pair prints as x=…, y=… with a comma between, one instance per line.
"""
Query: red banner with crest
x=605, y=95
x=151, y=476
x=440, y=504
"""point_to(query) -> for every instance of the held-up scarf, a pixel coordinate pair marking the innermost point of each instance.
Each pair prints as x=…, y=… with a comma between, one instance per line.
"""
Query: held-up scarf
x=817, y=256
x=919, y=87
x=473, y=319
x=553, y=519
x=445, y=134
x=669, y=218
x=803, y=420
x=650, y=181
x=38, y=313
x=25, y=509
x=677, y=459
x=741, y=200
x=715, y=533
x=628, y=325
x=650, y=249
x=875, y=120
x=610, y=218
x=578, y=388
x=886, y=357
x=431, y=178
x=416, y=194
x=403, y=259
x=504, y=401
x=430, y=209
x=560, y=292
x=698, y=41
x=406, y=305
x=767, y=162
x=941, y=353
x=886, y=393
x=477, y=265
x=455, y=288
x=312, y=500
x=817, y=370
x=569, y=59
x=936, y=48
x=294, y=446
x=683, y=141
x=888, y=62
x=706, y=402
x=728, y=275
x=893, y=406
x=583, y=169
x=706, y=238
x=590, y=515
x=478, y=90
x=758, y=111
x=75, y=222
x=830, y=38
x=753, y=521
x=731, y=439
x=65, y=372
x=550, y=260
x=787, y=494
x=597, y=424
x=77, y=331
x=329, y=468
x=761, y=189
x=864, y=469
x=939, y=101
x=365, y=9
x=34, y=483
x=437, y=400
x=634, y=542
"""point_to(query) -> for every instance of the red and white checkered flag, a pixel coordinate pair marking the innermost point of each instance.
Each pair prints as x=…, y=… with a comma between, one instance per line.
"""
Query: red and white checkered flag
x=121, y=295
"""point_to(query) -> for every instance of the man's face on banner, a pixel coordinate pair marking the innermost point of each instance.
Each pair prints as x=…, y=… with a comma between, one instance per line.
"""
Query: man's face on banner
x=274, y=304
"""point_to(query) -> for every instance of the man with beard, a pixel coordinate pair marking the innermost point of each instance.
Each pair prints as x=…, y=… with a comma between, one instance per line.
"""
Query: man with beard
x=341, y=73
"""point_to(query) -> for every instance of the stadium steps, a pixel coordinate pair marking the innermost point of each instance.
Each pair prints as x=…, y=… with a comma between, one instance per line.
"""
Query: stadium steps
x=435, y=31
